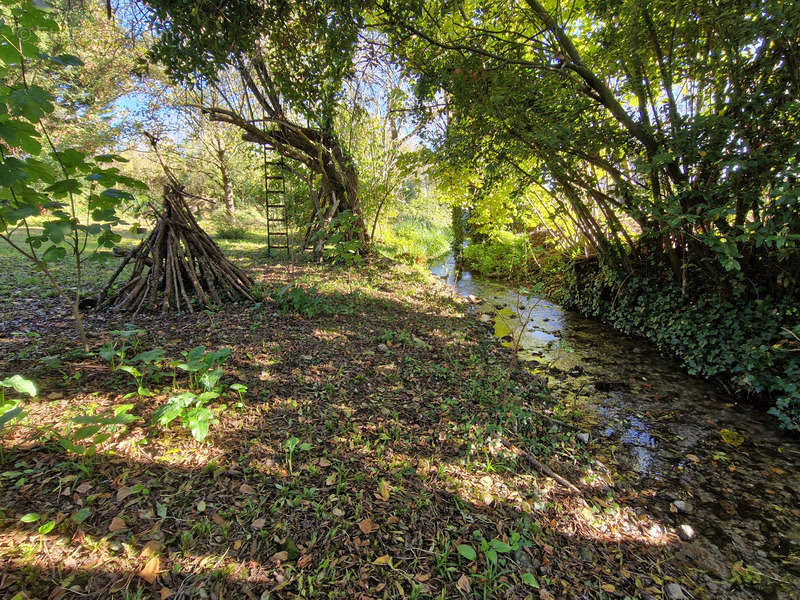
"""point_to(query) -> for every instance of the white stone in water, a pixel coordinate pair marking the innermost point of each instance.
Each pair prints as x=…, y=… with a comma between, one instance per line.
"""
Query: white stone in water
x=685, y=532
x=682, y=506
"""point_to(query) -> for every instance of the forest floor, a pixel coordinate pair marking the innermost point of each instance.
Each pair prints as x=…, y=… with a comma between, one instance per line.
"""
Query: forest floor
x=380, y=450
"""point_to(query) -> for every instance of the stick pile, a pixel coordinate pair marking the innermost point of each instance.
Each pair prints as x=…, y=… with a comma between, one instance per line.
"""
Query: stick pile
x=178, y=267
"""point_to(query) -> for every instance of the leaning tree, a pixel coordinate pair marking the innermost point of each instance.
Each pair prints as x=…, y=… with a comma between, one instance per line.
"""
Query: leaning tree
x=278, y=68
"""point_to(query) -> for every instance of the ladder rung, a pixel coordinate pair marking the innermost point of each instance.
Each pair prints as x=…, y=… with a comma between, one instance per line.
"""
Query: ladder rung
x=279, y=247
x=273, y=191
x=274, y=162
x=274, y=177
x=276, y=206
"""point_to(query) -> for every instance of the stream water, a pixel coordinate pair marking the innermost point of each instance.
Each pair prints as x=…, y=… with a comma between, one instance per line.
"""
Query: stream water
x=659, y=430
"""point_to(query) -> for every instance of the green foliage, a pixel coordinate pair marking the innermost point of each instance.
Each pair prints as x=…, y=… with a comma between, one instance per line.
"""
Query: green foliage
x=342, y=243
x=415, y=239
x=11, y=410
x=504, y=255
x=748, y=342
x=191, y=410
x=603, y=147
x=204, y=368
x=293, y=444
x=232, y=232
x=85, y=433
x=307, y=302
x=58, y=181
x=308, y=46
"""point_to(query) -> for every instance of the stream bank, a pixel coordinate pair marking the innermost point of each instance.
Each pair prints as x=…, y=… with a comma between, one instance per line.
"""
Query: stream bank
x=720, y=474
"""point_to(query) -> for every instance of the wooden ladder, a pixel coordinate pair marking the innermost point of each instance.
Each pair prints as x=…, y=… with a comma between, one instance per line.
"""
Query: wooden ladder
x=275, y=203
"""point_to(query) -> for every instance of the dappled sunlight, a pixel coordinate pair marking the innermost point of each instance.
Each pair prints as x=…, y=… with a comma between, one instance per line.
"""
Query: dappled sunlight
x=369, y=445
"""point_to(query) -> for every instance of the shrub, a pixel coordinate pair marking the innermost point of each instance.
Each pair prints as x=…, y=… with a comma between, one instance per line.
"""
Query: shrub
x=504, y=255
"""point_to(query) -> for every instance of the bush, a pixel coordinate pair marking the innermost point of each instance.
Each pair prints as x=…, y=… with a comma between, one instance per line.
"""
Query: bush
x=748, y=340
x=504, y=255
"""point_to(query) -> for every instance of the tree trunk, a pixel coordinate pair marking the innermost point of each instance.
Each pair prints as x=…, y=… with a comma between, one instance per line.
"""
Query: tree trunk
x=227, y=186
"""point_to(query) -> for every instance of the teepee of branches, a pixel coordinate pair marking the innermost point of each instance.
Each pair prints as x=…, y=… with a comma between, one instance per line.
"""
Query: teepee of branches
x=178, y=267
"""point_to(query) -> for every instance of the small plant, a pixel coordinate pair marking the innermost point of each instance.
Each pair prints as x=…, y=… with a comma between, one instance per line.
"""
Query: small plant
x=239, y=389
x=293, y=444
x=94, y=430
x=203, y=366
x=294, y=298
x=232, y=232
x=191, y=410
x=11, y=410
x=149, y=362
x=495, y=555
x=395, y=337
x=115, y=349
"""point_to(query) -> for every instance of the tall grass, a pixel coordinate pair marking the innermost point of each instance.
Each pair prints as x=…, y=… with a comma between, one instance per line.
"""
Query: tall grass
x=415, y=239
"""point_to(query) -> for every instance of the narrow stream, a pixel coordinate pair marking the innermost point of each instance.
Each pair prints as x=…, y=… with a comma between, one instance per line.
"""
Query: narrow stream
x=660, y=430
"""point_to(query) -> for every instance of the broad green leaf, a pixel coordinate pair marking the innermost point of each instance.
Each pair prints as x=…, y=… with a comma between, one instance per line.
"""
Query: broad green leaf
x=80, y=516
x=499, y=546
x=20, y=384
x=10, y=415
x=53, y=254
x=30, y=518
x=467, y=551
x=47, y=527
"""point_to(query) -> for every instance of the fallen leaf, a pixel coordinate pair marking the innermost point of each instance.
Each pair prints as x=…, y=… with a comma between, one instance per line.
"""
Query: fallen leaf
x=151, y=548
x=150, y=570
x=246, y=489
x=330, y=479
x=384, y=489
x=324, y=462
x=237, y=544
x=383, y=560
x=117, y=524
x=123, y=493
x=732, y=438
x=218, y=519
x=463, y=584
x=258, y=524
x=608, y=588
x=166, y=593
x=393, y=520
x=281, y=556
x=367, y=526
x=304, y=561
x=545, y=595
x=422, y=577
x=338, y=512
